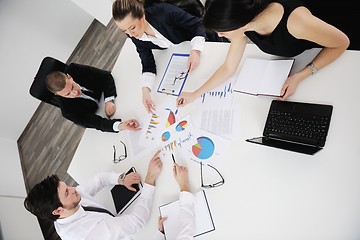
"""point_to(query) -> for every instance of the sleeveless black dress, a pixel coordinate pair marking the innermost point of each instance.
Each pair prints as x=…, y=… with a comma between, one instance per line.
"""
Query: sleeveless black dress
x=280, y=42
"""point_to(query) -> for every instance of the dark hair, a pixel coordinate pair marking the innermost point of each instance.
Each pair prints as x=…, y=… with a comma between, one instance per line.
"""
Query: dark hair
x=55, y=81
x=43, y=198
x=228, y=15
x=122, y=8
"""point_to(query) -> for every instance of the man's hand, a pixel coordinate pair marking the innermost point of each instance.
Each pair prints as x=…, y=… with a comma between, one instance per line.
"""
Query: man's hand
x=181, y=176
x=110, y=108
x=194, y=60
x=132, y=125
x=161, y=224
x=154, y=169
x=130, y=179
x=146, y=99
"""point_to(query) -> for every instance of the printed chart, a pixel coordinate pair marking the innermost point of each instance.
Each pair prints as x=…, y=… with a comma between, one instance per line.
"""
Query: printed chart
x=217, y=93
x=204, y=148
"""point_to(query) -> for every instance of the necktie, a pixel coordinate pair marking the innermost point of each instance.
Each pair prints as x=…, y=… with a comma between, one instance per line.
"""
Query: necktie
x=97, y=209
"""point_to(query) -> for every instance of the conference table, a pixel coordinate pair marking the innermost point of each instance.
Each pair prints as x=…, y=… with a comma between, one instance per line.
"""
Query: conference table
x=268, y=193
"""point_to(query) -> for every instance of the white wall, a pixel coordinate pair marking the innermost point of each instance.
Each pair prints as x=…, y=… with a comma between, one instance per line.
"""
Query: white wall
x=99, y=9
x=29, y=31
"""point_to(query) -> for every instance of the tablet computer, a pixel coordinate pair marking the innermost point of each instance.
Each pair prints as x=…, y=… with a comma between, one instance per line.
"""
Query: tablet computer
x=123, y=197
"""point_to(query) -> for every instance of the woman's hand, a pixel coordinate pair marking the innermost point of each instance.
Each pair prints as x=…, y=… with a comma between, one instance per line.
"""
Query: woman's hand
x=147, y=101
x=289, y=87
x=185, y=98
x=194, y=60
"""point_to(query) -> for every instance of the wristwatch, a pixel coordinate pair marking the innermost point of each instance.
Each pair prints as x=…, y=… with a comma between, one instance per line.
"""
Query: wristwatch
x=312, y=67
x=122, y=178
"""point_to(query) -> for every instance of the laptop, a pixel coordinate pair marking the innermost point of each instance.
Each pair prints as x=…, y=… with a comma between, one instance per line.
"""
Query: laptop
x=296, y=126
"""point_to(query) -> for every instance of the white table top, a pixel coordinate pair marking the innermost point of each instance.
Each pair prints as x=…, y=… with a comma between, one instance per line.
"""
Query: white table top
x=268, y=193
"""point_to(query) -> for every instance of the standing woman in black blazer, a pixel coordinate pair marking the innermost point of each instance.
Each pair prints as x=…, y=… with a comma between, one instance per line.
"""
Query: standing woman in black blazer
x=159, y=26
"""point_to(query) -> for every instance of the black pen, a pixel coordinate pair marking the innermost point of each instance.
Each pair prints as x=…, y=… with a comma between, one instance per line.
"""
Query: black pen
x=173, y=158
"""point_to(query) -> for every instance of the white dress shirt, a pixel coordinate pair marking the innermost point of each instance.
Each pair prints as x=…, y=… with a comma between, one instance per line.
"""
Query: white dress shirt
x=111, y=98
x=148, y=78
x=94, y=225
x=187, y=218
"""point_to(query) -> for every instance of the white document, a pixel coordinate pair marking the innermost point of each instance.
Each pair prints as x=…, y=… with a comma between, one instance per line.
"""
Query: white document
x=203, y=219
x=263, y=77
x=219, y=121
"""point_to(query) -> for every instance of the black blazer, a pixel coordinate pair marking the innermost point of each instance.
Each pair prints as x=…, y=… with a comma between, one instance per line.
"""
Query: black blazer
x=174, y=24
x=82, y=111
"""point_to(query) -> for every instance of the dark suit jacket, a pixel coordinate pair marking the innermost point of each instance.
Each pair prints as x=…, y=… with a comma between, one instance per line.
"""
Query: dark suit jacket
x=82, y=111
x=174, y=24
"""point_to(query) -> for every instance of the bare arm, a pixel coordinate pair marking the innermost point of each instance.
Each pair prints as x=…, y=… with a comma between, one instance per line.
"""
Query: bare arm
x=303, y=25
x=225, y=71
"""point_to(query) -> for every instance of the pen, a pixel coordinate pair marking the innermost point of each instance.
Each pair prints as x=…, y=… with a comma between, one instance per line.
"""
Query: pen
x=179, y=103
x=173, y=158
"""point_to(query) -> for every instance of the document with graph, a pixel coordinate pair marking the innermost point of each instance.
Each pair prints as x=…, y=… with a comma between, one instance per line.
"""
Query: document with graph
x=175, y=75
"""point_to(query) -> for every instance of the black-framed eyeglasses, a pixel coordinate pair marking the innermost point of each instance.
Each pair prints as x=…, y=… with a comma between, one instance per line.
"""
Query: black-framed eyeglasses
x=217, y=184
x=180, y=76
x=121, y=157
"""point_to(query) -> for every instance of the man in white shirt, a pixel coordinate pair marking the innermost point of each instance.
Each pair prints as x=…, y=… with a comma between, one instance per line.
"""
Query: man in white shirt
x=187, y=212
x=54, y=200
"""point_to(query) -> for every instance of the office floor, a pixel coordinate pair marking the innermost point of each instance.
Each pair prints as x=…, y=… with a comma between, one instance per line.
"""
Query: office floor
x=49, y=141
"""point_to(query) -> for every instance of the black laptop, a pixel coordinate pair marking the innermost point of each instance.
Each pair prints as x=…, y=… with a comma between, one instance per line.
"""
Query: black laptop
x=296, y=126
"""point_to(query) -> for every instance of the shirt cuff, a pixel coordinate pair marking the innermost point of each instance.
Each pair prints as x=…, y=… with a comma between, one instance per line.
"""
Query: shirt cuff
x=147, y=191
x=116, y=126
x=109, y=99
x=114, y=178
x=198, y=43
x=186, y=197
x=147, y=79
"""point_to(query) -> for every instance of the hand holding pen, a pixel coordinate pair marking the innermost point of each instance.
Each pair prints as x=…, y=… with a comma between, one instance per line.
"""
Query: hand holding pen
x=181, y=175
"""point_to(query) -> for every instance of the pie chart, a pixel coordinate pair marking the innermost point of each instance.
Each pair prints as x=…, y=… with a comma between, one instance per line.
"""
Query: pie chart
x=171, y=118
x=181, y=126
x=204, y=148
x=165, y=136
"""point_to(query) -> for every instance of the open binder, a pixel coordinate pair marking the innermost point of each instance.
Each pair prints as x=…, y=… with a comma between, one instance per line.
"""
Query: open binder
x=263, y=76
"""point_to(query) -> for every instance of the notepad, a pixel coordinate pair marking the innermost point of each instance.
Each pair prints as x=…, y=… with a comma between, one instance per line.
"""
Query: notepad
x=263, y=76
x=203, y=219
x=175, y=75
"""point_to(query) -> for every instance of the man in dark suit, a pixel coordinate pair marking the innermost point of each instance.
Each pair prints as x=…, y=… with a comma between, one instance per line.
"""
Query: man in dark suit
x=79, y=89
x=159, y=26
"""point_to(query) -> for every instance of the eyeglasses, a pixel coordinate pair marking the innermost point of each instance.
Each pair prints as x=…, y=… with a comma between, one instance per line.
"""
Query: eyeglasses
x=180, y=76
x=217, y=184
x=121, y=157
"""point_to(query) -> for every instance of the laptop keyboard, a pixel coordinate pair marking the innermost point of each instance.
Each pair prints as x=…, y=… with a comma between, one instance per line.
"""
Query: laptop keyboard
x=307, y=129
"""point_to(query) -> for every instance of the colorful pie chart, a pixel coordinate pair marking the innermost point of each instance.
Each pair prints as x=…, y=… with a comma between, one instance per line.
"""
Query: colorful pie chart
x=204, y=148
x=181, y=126
x=165, y=136
x=171, y=118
